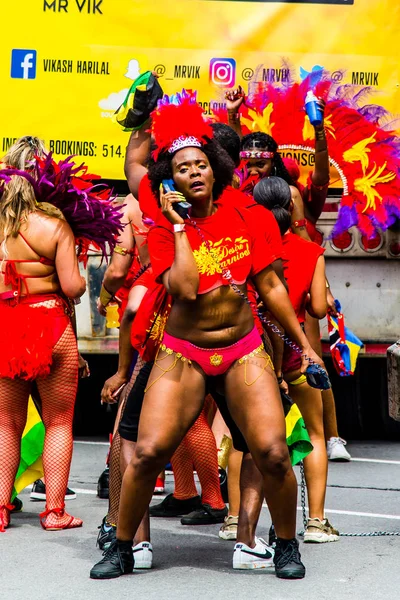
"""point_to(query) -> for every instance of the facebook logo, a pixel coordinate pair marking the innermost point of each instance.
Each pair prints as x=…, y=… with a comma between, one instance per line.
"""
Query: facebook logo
x=23, y=64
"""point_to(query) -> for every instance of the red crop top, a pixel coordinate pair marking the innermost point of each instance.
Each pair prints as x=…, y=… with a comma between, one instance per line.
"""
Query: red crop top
x=299, y=262
x=235, y=236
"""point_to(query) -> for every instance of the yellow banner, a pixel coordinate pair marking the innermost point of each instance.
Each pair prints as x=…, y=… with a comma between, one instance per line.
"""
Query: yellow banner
x=66, y=65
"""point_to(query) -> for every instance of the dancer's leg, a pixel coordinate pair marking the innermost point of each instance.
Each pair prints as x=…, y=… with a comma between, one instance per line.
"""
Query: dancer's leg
x=202, y=449
x=182, y=466
x=257, y=410
x=312, y=330
x=251, y=499
x=309, y=402
x=166, y=417
x=58, y=394
x=14, y=395
x=115, y=452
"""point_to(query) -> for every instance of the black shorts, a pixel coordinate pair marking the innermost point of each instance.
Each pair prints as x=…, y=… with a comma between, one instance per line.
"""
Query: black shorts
x=239, y=443
x=129, y=424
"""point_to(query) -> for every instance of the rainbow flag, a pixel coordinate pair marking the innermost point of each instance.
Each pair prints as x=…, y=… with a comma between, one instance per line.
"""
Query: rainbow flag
x=297, y=437
x=32, y=442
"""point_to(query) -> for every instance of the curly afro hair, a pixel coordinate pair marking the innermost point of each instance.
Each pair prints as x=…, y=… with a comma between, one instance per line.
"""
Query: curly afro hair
x=228, y=139
x=263, y=141
x=220, y=162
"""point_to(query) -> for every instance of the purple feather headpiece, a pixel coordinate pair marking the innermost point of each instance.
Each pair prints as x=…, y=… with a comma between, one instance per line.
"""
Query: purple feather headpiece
x=86, y=206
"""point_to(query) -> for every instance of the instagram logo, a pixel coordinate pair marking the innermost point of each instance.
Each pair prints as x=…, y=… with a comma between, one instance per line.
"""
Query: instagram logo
x=222, y=71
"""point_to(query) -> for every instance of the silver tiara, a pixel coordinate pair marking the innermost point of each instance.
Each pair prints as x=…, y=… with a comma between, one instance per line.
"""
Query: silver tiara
x=184, y=142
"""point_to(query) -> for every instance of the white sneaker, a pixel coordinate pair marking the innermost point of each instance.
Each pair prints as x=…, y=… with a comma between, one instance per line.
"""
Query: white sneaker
x=259, y=557
x=143, y=555
x=336, y=450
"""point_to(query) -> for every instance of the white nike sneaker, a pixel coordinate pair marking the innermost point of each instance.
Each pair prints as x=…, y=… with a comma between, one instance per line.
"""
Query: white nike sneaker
x=336, y=450
x=259, y=557
x=143, y=555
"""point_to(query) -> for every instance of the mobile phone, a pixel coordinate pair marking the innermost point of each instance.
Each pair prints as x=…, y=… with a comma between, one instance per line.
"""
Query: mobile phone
x=317, y=377
x=182, y=208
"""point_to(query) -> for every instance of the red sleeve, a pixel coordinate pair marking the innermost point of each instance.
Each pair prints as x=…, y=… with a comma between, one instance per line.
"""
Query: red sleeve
x=147, y=201
x=267, y=223
x=161, y=246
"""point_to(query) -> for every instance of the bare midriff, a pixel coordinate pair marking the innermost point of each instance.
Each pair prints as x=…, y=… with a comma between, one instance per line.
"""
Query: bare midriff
x=216, y=319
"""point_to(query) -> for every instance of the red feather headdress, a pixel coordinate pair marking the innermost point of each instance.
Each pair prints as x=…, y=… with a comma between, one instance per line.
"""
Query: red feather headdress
x=179, y=122
x=361, y=142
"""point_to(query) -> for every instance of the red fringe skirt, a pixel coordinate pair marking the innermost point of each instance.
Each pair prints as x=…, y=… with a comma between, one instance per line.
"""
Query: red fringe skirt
x=29, y=329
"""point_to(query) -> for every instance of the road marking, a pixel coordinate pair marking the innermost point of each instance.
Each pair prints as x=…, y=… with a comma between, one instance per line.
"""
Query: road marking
x=367, y=460
x=85, y=491
x=92, y=443
x=359, y=514
x=328, y=510
x=376, y=460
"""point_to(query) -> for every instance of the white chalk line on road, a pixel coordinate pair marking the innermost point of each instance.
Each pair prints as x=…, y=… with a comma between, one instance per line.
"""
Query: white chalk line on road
x=367, y=460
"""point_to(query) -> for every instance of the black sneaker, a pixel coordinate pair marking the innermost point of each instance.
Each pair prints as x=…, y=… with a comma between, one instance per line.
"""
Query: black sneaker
x=107, y=535
x=39, y=492
x=103, y=484
x=205, y=515
x=17, y=504
x=287, y=560
x=117, y=561
x=172, y=507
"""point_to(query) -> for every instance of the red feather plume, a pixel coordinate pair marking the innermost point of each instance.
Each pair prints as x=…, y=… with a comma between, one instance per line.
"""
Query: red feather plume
x=172, y=121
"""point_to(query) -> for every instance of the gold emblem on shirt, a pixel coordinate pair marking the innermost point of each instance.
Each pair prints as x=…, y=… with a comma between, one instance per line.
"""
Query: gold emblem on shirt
x=226, y=252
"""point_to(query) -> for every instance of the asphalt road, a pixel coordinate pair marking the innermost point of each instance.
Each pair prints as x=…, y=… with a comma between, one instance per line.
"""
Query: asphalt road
x=193, y=563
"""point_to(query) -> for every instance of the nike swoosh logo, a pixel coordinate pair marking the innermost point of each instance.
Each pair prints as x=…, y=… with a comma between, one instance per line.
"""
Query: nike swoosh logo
x=257, y=554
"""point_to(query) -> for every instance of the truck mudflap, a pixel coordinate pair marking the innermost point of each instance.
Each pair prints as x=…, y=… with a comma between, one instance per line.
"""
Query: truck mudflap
x=393, y=367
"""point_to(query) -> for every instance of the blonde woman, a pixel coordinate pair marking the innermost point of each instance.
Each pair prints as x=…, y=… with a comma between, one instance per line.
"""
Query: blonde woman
x=38, y=274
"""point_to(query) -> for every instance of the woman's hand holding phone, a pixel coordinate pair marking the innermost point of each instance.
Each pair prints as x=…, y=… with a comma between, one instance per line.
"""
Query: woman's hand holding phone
x=167, y=201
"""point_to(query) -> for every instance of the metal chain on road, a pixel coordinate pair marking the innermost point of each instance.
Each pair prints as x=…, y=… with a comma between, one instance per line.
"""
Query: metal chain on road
x=360, y=534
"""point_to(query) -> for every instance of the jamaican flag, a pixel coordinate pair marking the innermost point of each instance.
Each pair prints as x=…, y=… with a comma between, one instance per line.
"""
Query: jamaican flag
x=140, y=101
x=32, y=441
x=297, y=437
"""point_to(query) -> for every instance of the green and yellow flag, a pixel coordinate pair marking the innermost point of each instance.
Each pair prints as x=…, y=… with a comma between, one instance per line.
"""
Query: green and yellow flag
x=32, y=442
x=297, y=437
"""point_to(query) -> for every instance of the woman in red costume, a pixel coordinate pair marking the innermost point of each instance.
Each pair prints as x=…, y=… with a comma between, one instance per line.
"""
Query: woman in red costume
x=262, y=159
x=210, y=332
x=304, y=269
x=39, y=276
